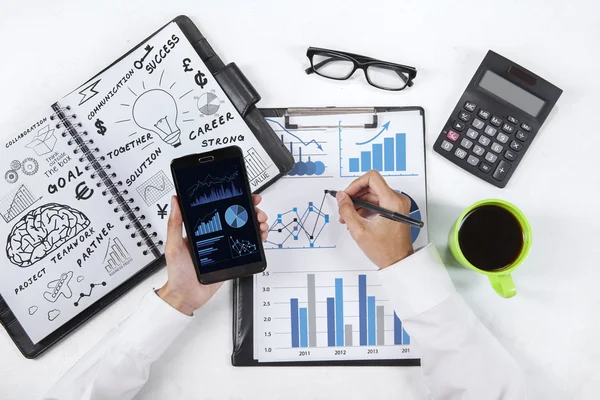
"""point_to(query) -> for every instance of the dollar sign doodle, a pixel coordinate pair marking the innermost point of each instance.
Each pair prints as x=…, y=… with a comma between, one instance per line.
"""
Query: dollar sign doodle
x=200, y=79
x=101, y=128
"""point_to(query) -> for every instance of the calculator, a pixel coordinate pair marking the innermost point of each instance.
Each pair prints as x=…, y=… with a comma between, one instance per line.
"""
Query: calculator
x=496, y=119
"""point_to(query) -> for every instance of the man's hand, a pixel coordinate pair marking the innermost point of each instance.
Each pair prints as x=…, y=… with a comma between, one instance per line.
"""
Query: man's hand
x=384, y=241
x=183, y=291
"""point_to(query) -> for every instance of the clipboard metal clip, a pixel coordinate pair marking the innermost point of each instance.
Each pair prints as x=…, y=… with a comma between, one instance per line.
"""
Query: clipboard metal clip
x=320, y=111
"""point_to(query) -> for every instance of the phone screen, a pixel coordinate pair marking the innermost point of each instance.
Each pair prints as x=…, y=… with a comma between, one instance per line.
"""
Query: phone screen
x=219, y=214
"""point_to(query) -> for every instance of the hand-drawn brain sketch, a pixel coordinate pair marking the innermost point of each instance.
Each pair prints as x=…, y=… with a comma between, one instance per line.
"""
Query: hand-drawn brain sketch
x=43, y=230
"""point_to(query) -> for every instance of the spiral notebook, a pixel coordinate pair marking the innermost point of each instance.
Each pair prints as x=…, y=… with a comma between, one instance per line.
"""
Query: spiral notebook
x=86, y=191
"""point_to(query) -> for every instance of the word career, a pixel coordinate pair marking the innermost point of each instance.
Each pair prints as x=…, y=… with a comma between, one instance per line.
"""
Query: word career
x=216, y=123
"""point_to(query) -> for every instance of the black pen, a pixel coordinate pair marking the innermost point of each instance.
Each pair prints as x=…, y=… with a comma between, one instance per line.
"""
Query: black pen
x=394, y=216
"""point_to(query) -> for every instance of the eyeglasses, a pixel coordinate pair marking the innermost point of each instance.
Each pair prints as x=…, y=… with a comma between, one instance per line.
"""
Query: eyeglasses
x=341, y=66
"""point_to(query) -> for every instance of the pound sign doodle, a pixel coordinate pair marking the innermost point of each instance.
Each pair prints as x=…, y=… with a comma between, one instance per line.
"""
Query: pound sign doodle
x=200, y=79
x=186, y=65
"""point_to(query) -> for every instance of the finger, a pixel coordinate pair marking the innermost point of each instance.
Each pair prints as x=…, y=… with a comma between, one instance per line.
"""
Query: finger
x=174, y=226
x=363, y=212
x=369, y=198
x=264, y=235
x=348, y=212
x=261, y=216
x=257, y=199
x=264, y=227
x=371, y=180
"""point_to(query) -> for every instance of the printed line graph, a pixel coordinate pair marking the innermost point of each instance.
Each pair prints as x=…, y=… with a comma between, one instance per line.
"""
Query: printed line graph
x=292, y=230
x=16, y=202
x=155, y=188
x=240, y=248
x=226, y=189
x=309, y=153
x=89, y=293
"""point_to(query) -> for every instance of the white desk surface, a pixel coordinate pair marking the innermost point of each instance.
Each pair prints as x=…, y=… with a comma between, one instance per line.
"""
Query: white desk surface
x=551, y=327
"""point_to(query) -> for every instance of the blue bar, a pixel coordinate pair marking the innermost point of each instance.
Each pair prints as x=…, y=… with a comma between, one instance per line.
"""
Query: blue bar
x=303, y=327
x=365, y=161
x=299, y=153
x=371, y=313
x=330, y=322
x=362, y=309
x=294, y=315
x=388, y=150
x=354, y=165
x=397, y=330
x=339, y=312
x=405, y=337
x=378, y=157
x=400, y=152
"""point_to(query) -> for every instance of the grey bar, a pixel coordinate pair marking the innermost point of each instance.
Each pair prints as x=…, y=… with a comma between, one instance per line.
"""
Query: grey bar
x=312, y=313
x=380, y=326
x=348, y=335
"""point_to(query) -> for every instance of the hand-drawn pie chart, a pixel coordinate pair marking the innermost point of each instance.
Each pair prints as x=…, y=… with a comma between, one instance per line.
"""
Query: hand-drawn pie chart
x=236, y=216
x=208, y=103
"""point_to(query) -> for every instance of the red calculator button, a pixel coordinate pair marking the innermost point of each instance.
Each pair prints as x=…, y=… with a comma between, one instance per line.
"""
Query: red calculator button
x=451, y=135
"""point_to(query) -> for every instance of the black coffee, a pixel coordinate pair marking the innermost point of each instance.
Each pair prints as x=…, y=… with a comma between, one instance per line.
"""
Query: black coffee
x=491, y=238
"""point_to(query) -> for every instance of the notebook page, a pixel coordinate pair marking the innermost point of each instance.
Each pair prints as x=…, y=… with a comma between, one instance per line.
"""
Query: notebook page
x=159, y=103
x=64, y=246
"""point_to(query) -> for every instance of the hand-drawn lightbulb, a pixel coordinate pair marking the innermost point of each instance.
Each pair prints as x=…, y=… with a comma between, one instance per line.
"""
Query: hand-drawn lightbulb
x=156, y=111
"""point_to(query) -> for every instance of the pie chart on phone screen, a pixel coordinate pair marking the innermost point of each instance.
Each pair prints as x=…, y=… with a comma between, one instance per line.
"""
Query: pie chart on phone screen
x=416, y=214
x=236, y=216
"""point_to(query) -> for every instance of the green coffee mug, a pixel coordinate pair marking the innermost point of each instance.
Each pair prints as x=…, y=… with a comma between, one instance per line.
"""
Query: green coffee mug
x=501, y=280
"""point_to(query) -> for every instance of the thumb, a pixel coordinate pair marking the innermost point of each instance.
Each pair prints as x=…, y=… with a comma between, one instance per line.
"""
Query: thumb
x=174, y=236
x=348, y=212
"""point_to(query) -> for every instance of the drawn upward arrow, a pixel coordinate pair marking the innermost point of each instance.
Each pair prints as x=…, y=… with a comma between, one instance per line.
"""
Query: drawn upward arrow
x=385, y=128
x=297, y=138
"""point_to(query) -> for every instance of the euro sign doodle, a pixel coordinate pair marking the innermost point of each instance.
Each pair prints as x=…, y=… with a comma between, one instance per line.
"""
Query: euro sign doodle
x=200, y=79
x=100, y=126
x=83, y=192
x=186, y=65
x=162, y=211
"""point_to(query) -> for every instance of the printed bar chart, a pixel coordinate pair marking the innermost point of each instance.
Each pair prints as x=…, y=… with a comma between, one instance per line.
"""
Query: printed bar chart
x=389, y=156
x=339, y=333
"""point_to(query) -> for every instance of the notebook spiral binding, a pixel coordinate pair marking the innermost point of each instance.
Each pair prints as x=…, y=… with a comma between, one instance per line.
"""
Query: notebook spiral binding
x=112, y=189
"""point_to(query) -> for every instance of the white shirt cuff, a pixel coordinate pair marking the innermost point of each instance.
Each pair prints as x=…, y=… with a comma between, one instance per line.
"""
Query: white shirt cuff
x=417, y=283
x=153, y=326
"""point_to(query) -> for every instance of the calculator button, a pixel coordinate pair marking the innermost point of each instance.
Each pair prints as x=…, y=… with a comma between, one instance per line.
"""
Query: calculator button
x=464, y=116
x=502, y=138
x=495, y=121
x=460, y=153
x=516, y=146
x=470, y=106
x=466, y=143
x=472, y=133
x=508, y=128
x=491, y=157
x=483, y=114
x=485, y=167
x=484, y=140
x=491, y=131
x=522, y=136
x=478, y=150
x=473, y=160
x=501, y=170
x=496, y=148
x=451, y=135
x=525, y=127
x=477, y=123
x=512, y=119
x=459, y=126
x=510, y=156
x=446, y=145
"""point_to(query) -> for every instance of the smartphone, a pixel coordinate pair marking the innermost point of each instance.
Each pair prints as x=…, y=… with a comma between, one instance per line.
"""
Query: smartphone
x=218, y=214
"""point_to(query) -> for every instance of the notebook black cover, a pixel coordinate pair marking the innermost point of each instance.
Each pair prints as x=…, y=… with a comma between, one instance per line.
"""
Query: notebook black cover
x=244, y=97
x=243, y=301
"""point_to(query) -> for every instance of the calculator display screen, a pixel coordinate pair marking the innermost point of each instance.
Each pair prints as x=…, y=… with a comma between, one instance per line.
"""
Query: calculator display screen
x=510, y=92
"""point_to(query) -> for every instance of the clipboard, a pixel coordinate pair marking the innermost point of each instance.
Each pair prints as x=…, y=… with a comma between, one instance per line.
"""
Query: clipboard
x=243, y=289
x=244, y=98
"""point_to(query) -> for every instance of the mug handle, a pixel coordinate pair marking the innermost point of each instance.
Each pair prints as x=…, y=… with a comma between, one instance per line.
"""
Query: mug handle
x=503, y=285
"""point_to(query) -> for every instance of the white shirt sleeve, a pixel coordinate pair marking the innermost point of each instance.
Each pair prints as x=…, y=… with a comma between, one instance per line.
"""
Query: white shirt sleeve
x=119, y=365
x=460, y=358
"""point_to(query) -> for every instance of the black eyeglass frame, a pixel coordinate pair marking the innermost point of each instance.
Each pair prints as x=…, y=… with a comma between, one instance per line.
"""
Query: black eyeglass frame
x=360, y=62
